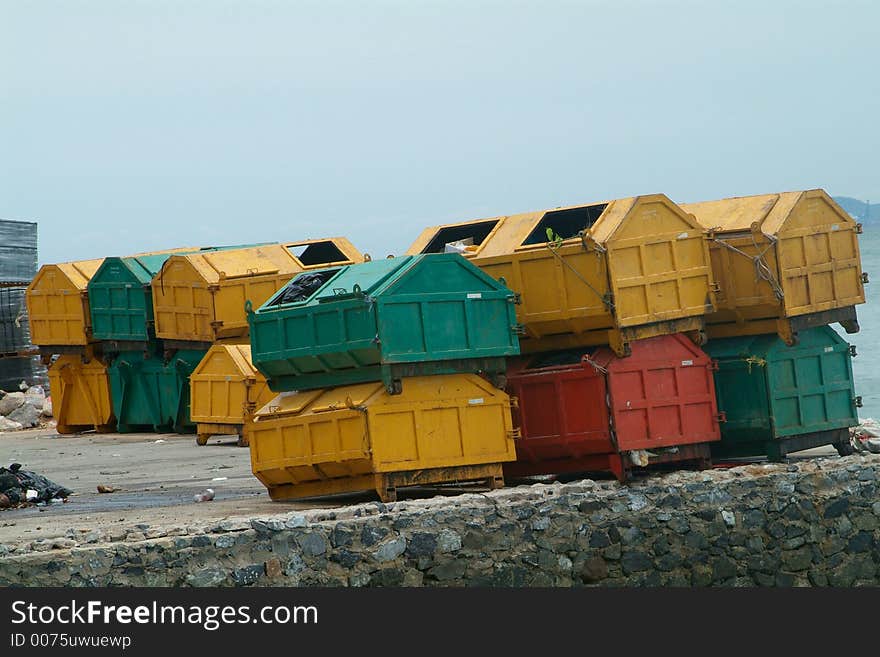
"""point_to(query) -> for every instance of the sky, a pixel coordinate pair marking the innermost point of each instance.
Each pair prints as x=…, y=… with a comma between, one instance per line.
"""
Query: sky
x=138, y=125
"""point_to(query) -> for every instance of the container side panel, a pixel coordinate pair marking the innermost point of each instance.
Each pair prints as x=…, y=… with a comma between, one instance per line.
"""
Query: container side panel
x=659, y=266
x=811, y=384
x=81, y=394
x=58, y=309
x=565, y=292
x=662, y=395
x=561, y=414
x=182, y=303
x=819, y=261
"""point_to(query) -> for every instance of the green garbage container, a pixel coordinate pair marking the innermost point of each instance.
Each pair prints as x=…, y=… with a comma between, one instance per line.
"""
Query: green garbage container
x=150, y=392
x=779, y=399
x=382, y=321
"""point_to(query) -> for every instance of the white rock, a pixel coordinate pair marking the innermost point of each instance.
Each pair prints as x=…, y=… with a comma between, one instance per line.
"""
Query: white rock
x=47, y=408
x=10, y=402
x=729, y=518
x=9, y=425
x=448, y=541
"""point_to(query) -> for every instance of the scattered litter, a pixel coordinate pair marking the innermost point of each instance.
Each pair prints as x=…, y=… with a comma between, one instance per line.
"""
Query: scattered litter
x=866, y=436
x=106, y=489
x=220, y=478
x=206, y=496
x=157, y=442
x=21, y=487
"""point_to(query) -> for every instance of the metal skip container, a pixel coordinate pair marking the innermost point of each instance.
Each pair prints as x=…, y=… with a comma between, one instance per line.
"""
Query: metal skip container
x=440, y=429
x=225, y=392
x=780, y=399
x=383, y=321
x=604, y=273
x=784, y=262
x=58, y=305
x=150, y=392
x=578, y=412
x=81, y=398
x=201, y=297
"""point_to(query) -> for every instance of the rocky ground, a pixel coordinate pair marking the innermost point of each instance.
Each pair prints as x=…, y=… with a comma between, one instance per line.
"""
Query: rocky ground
x=25, y=409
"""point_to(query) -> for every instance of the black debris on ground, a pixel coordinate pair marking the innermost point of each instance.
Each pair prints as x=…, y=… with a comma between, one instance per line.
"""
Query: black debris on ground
x=16, y=483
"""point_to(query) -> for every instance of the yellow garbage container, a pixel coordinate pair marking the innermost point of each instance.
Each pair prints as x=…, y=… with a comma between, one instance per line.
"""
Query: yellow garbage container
x=225, y=392
x=440, y=429
x=784, y=262
x=81, y=398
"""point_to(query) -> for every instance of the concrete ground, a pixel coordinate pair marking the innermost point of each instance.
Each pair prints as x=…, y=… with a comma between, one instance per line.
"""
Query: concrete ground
x=156, y=476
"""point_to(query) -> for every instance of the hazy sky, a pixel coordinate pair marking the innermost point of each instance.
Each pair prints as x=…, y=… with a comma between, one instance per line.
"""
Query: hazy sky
x=127, y=126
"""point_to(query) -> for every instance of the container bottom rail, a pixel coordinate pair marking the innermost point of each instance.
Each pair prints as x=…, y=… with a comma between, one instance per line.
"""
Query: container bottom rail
x=205, y=431
x=777, y=449
x=386, y=484
x=620, y=340
x=621, y=465
x=787, y=328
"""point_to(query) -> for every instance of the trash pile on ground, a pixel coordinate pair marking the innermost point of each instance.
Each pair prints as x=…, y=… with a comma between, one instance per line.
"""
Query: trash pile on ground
x=866, y=436
x=22, y=488
x=25, y=409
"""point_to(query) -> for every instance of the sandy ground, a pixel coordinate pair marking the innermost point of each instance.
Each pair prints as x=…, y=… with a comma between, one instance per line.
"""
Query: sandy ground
x=157, y=476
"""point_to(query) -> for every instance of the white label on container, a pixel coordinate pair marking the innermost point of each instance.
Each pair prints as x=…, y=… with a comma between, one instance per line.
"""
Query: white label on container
x=685, y=363
x=682, y=236
x=475, y=295
x=829, y=349
x=478, y=400
x=835, y=227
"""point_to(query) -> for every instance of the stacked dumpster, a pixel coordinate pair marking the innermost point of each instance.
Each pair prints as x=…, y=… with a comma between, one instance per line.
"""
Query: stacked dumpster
x=788, y=266
x=783, y=263
x=60, y=317
x=149, y=380
x=157, y=317
x=608, y=337
x=199, y=302
x=390, y=374
x=611, y=306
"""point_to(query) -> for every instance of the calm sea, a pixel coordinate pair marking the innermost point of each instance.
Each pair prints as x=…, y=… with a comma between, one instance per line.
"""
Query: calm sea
x=866, y=365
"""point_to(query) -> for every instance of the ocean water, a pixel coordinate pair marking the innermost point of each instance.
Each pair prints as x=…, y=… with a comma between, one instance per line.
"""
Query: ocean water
x=866, y=365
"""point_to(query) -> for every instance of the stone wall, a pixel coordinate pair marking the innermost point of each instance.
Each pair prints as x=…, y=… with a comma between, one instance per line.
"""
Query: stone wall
x=813, y=523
